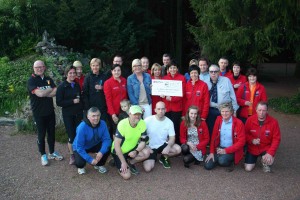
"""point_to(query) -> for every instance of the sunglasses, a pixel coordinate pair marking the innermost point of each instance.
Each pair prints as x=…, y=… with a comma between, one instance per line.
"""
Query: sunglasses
x=213, y=72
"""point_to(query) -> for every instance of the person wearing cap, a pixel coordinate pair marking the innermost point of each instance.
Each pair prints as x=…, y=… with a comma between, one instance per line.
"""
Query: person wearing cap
x=129, y=146
x=139, y=88
x=79, y=75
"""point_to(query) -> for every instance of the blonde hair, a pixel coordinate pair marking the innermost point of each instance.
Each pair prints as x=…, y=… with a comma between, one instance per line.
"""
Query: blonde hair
x=96, y=60
x=193, y=62
x=155, y=66
x=226, y=105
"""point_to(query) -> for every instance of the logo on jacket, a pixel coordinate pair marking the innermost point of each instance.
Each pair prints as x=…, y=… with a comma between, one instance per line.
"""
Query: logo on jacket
x=267, y=133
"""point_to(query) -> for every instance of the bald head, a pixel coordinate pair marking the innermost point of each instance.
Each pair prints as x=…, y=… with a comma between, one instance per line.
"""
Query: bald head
x=160, y=109
x=39, y=67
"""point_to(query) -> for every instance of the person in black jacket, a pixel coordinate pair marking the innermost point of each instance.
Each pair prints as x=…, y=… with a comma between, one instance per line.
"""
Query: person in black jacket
x=41, y=89
x=93, y=93
x=68, y=97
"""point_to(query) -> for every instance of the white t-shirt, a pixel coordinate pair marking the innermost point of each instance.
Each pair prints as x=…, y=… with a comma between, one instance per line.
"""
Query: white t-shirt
x=158, y=131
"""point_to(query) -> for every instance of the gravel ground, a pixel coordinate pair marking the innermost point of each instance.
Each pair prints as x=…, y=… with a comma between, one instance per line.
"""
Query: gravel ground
x=23, y=177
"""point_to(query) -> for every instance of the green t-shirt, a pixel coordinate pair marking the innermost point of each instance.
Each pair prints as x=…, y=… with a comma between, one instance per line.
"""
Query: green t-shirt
x=130, y=136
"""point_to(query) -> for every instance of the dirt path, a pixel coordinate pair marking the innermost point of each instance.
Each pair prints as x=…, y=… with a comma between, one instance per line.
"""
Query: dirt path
x=23, y=177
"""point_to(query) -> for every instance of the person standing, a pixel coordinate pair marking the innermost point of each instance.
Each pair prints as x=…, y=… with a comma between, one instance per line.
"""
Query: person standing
x=155, y=74
x=166, y=63
x=203, y=65
x=175, y=105
x=223, y=63
x=79, y=75
x=92, y=137
x=115, y=91
x=221, y=91
x=196, y=93
x=262, y=138
x=41, y=89
x=236, y=78
x=139, y=88
x=93, y=92
x=249, y=94
x=68, y=96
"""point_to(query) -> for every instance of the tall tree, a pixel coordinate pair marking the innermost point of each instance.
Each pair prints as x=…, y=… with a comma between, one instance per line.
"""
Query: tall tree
x=247, y=30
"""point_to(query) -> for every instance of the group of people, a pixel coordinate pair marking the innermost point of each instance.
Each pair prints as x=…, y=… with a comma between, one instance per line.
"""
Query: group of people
x=115, y=113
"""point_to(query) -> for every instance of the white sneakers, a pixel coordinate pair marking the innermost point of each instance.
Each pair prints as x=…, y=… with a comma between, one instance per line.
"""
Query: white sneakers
x=44, y=160
x=101, y=169
x=81, y=171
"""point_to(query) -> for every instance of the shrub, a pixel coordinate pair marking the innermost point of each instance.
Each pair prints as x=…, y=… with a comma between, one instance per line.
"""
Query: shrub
x=289, y=105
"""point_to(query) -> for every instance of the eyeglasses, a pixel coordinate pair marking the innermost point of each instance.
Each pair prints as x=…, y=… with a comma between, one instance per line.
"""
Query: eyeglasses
x=137, y=66
x=213, y=72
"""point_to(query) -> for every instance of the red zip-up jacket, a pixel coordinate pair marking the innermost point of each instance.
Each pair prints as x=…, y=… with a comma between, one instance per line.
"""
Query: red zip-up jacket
x=227, y=74
x=203, y=135
x=243, y=95
x=268, y=133
x=197, y=95
x=240, y=80
x=115, y=92
x=80, y=81
x=176, y=103
x=238, y=138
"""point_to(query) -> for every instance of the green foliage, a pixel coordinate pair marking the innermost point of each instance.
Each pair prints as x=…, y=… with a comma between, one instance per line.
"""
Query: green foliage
x=101, y=28
x=246, y=30
x=286, y=104
x=13, y=79
x=61, y=134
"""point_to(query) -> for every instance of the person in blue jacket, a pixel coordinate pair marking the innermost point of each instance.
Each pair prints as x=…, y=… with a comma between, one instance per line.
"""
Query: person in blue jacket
x=92, y=136
x=139, y=88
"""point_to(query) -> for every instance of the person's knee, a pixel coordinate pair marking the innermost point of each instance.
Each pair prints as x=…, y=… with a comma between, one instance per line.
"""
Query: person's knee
x=177, y=149
x=148, y=167
x=209, y=165
x=184, y=149
x=225, y=162
x=249, y=167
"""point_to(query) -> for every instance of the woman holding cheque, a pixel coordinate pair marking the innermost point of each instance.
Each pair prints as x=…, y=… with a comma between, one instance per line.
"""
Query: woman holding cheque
x=174, y=104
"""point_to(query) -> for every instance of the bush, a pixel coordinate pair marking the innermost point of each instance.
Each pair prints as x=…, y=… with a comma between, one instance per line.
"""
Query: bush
x=289, y=105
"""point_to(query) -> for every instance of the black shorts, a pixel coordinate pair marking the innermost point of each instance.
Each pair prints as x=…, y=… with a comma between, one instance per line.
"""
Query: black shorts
x=153, y=156
x=118, y=161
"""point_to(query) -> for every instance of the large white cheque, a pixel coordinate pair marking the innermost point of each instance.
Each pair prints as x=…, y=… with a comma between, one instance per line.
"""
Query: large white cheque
x=166, y=88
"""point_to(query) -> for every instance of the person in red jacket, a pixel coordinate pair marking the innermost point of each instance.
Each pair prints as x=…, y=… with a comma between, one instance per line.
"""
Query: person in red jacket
x=115, y=91
x=79, y=75
x=194, y=137
x=262, y=137
x=196, y=93
x=227, y=141
x=155, y=74
x=236, y=78
x=223, y=63
x=174, y=105
x=249, y=94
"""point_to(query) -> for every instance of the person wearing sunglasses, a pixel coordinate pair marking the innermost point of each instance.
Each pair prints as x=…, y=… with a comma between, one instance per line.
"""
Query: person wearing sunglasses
x=221, y=91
